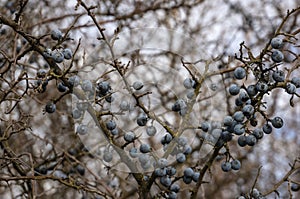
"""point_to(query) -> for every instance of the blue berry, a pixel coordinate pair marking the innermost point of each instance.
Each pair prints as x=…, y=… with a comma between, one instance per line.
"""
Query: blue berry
x=166, y=139
x=228, y=120
x=80, y=169
x=47, y=53
x=107, y=156
x=172, y=195
x=226, y=166
x=290, y=88
x=213, y=87
x=111, y=125
x=243, y=96
x=56, y=34
x=277, y=122
x=196, y=176
x=103, y=88
x=144, y=158
x=133, y=152
x=67, y=52
x=160, y=172
x=124, y=106
x=76, y=114
x=251, y=90
x=278, y=76
x=188, y=83
x=151, y=130
x=267, y=128
x=87, y=85
x=258, y=133
x=187, y=180
x=190, y=94
x=58, y=57
x=239, y=129
x=238, y=102
x=145, y=148
x=50, y=107
x=234, y=89
x=182, y=140
x=262, y=87
x=216, y=133
x=129, y=136
x=74, y=80
x=115, y=131
x=179, y=105
x=188, y=172
x=61, y=87
x=187, y=149
x=277, y=56
x=296, y=81
x=142, y=119
x=205, y=126
x=171, y=171
x=255, y=193
x=235, y=164
x=242, y=141
x=277, y=43
x=180, y=158
x=175, y=187
x=226, y=136
x=239, y=116
x=165, y=181
x=295, y=187
x=162, y=162
x=82, y=129
x=251, y=140
x=231, y=127
x=59, y=174
x=248, y=110
x=138, y=85
x=239, y=73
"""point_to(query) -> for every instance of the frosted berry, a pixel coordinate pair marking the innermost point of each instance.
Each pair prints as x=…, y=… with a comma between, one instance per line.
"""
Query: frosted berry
x=142, y=119
x=239, y=73
x=82, y=129
x=277, y=122
x=278, y=76
x=226, y=166
x=234, y=89
x=138, y=85
x=61, y=87
x=58, y=57
x=277, y=43
x=267, y=128
x=67, y=52
x=188, y=83
x=111, y=125
x=129, y=136
x=251, y=140
x=235, y=164
x=74, y=80
x=87, y=85
x=277, y=56
x=145, y=148
x=290, y=88
x=56, y=34
x=180, y=158
x=50, y=107
x=151, y=130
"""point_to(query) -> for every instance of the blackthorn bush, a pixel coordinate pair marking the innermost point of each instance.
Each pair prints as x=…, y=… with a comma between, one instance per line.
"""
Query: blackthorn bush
x=96, y=104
